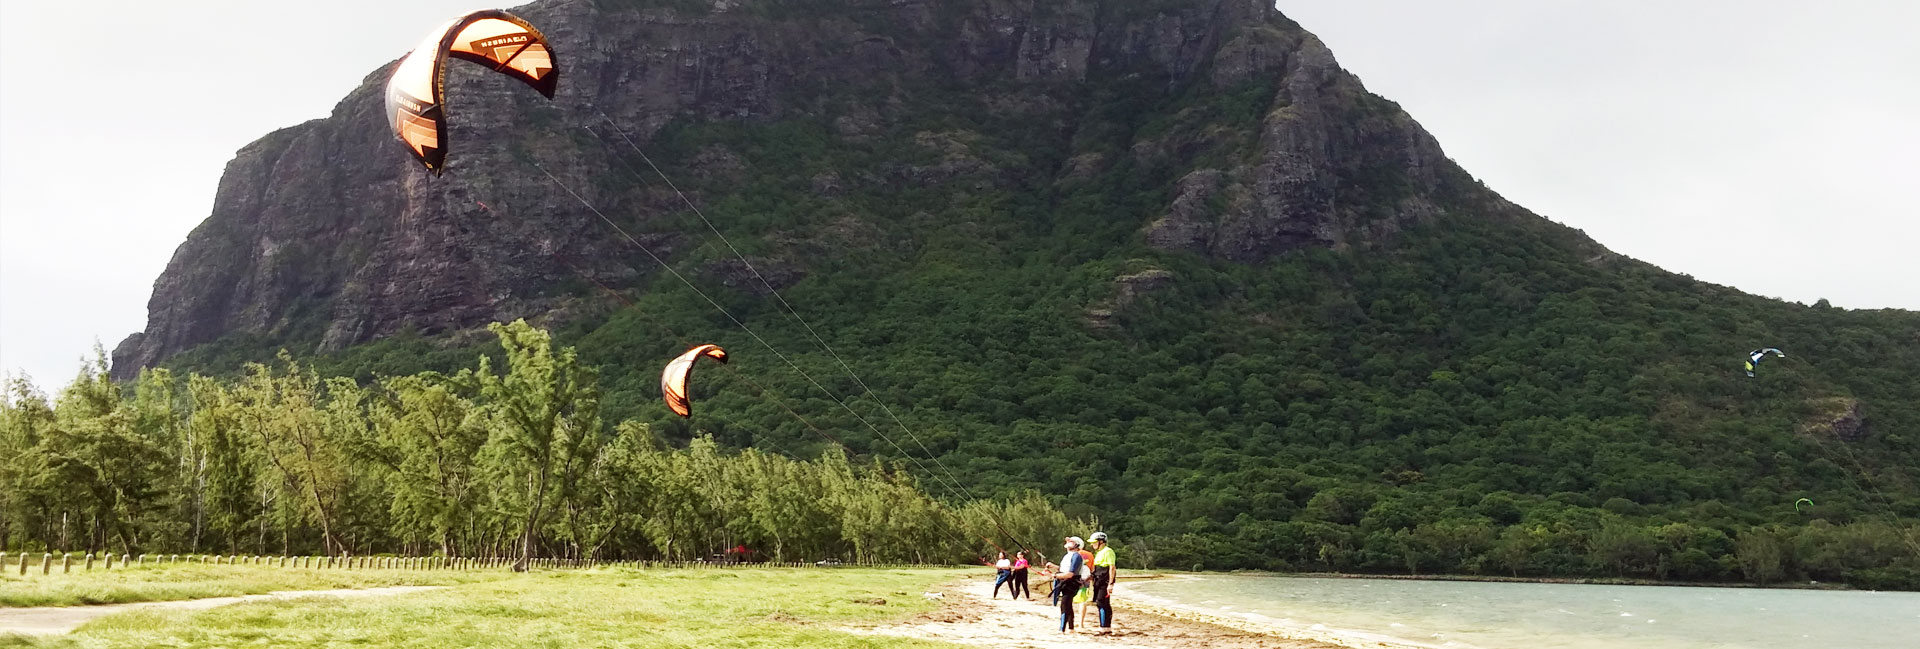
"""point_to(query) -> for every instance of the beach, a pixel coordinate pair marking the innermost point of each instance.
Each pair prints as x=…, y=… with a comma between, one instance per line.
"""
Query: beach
x=969, y=615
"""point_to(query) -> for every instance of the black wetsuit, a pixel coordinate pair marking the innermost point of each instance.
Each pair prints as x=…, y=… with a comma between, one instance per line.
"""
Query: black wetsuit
x=1102, y=600
x=1065, y=589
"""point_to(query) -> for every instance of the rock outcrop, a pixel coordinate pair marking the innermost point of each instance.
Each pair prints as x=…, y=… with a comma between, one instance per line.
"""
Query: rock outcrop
x=326, y=234
x=1840, y=418
x=1335, y=167
x=1126, y=289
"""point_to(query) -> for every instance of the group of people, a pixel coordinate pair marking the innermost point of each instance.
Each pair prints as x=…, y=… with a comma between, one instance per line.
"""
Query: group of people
x=1082, y=576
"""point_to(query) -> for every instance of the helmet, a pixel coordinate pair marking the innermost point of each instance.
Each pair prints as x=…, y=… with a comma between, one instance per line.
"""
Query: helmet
x=1099, y=536
x=1075, y=540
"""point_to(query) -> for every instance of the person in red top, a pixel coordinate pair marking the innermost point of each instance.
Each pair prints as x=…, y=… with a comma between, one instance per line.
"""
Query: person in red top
x=1020, y=576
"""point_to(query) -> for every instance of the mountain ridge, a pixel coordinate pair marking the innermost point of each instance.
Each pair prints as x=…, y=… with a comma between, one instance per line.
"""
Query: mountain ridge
x=229, y=276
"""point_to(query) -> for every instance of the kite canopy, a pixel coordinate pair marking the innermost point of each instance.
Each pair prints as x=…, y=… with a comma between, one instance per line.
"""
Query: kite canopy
x=1754, y=358
x=496, y=39
x=673, y=381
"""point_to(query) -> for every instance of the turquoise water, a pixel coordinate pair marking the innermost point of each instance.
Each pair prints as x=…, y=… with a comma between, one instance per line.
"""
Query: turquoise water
x=1554, y=616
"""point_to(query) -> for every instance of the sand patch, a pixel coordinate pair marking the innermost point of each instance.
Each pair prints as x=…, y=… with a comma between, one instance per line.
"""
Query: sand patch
x=968, y=615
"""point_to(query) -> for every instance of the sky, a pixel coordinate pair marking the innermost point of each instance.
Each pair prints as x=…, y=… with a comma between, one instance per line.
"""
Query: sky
x=1766, y=145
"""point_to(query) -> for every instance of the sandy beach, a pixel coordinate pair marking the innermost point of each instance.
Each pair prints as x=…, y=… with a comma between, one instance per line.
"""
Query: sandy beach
x=969, y=615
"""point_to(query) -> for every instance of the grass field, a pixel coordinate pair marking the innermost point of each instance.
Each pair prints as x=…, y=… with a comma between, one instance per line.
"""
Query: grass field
x=609, y=607
x=194, y=581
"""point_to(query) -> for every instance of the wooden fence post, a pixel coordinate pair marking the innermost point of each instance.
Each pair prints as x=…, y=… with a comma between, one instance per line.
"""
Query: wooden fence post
x=46, y=564
x=109, y=561
x=89, y=561
x=23, y=563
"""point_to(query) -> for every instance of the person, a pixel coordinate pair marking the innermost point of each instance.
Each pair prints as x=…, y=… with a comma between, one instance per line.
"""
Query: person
x=1085, y=595
x=1003, y=574
x=1020, y=576
x=1053, y=589
x=1066, y=582
x=1105, y=573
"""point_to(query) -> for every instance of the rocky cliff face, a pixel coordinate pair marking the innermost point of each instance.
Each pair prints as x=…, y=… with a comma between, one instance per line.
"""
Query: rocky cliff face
x=327, y=234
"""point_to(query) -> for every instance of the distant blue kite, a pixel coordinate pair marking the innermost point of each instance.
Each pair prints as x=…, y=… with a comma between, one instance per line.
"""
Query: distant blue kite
x=1753, y=359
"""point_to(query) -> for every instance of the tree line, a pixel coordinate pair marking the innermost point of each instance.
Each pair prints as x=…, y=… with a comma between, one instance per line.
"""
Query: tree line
x=509, y=458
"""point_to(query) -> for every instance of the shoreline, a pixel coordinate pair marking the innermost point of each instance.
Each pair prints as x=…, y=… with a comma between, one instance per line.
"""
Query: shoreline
x=1262, y=624
x=1573, y=581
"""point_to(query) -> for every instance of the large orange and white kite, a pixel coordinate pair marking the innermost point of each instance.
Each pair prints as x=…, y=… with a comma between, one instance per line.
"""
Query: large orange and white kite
x=496, y=39
x=673, y=381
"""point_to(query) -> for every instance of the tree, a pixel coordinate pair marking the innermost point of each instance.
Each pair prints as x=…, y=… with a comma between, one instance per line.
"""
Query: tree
x=113, y=451
x=428, y=435
x=284, y=413
x=1762, y=556
x=25, y=419
x=543, y=421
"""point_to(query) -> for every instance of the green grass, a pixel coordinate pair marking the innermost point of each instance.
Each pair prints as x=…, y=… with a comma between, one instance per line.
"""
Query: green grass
x=194, y=581
x=609, y=607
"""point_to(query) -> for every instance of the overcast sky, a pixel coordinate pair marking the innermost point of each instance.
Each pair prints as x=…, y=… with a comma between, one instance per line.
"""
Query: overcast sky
x=1767, y=145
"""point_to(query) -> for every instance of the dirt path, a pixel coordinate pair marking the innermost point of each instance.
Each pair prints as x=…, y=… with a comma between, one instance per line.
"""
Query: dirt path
x=56, y=620
x=968, y=616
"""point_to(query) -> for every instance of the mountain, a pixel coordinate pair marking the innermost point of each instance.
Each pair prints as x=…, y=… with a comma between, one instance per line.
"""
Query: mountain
x=1163, y=260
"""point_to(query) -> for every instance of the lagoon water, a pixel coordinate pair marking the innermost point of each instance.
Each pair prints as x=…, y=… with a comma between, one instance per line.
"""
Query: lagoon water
x=1487, y=615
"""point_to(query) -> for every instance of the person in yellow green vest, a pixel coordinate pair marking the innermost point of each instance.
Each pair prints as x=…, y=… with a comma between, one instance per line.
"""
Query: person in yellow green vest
x=1105, y=573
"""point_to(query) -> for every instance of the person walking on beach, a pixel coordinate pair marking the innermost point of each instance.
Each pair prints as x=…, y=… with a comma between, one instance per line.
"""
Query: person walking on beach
x=1066, y=582
x=1105, y=573
x=1020, y=576
x=1003, y=574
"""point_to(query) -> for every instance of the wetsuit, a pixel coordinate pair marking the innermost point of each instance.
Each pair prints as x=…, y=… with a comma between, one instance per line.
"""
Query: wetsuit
x=1065, y=589
x=1103, y=567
